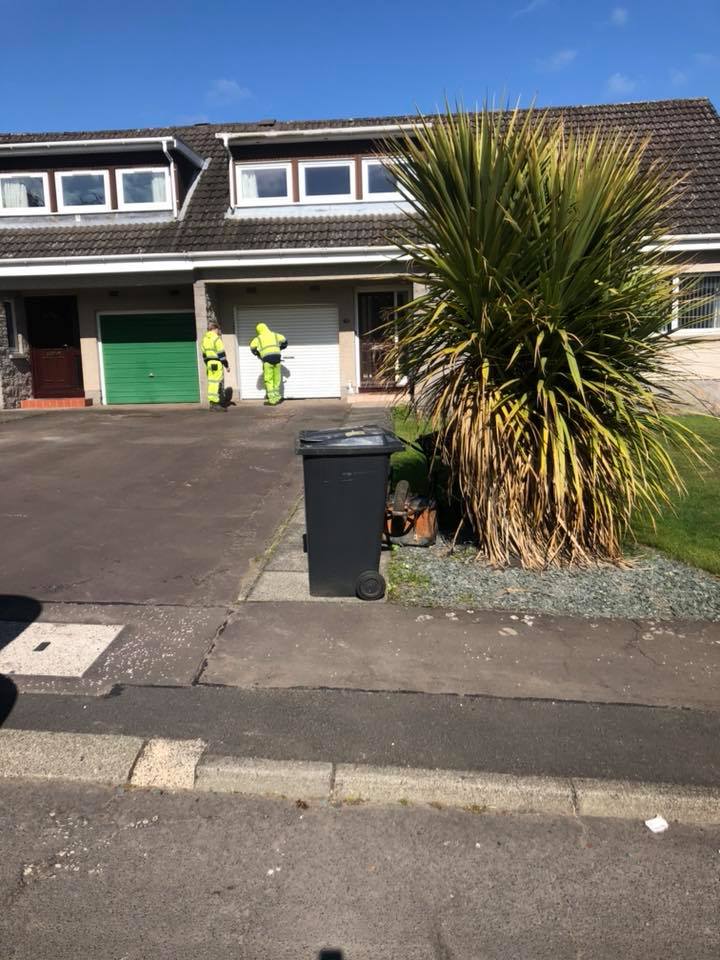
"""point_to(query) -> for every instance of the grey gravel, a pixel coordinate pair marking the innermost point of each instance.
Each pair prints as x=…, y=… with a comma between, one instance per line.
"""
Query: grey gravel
x=654, y=587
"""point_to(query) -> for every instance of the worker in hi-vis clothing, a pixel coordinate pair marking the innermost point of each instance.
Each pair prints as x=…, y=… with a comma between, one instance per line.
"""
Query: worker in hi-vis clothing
x=267, y=346
x=213, y=353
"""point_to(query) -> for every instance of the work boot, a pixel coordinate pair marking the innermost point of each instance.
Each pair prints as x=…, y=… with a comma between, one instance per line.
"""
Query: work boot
x=217, y=408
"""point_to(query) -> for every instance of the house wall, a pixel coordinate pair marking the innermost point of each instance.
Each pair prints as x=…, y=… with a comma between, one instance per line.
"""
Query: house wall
x=90, y=302
x=15, y=376
x=341, y=294
x=695, y=362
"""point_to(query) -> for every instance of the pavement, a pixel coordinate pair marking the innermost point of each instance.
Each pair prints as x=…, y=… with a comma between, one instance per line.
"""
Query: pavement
x=135, y=564
x=134, y=874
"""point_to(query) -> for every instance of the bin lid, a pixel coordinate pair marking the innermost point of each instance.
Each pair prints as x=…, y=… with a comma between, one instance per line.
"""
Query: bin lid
x=353, y=441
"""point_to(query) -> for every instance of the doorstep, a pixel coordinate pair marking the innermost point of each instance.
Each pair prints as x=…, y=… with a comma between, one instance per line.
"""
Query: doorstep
x=55, y=403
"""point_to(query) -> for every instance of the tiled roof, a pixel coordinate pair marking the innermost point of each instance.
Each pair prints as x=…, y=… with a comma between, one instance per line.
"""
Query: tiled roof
x=684, y=133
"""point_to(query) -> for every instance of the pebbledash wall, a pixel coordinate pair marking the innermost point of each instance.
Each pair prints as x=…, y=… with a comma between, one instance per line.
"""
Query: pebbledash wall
x=15, y=374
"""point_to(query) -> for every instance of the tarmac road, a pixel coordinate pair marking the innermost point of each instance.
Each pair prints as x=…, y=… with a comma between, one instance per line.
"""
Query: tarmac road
x=125, y=875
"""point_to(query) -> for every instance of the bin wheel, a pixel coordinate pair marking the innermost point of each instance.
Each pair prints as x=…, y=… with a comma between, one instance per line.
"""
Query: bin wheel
x=370, y=585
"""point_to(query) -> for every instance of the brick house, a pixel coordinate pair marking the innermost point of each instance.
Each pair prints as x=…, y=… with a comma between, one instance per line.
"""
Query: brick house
x=116, y=247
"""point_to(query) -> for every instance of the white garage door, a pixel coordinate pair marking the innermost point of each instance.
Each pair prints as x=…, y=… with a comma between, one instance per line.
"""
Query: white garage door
x=311, y=363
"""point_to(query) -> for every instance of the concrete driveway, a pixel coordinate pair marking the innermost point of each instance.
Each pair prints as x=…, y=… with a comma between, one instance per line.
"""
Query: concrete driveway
x=150, y=506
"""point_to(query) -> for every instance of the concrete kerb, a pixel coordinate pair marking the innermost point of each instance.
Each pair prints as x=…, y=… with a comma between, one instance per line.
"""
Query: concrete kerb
x=164, y=764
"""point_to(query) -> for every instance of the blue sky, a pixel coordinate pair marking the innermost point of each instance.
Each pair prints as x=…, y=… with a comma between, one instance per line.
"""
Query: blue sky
x=79, y=65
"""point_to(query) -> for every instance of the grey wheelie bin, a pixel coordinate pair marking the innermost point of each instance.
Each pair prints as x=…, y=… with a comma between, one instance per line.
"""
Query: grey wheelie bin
x=346, y=475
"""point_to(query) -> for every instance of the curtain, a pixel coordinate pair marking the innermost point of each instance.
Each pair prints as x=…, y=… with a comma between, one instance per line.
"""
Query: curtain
x=14, y=194
x=248, y=184
x=158, y=188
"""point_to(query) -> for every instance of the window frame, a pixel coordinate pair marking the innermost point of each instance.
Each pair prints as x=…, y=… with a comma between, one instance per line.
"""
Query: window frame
x=26, y=211
x=11, y=323
x=366, y=193
x=83, y=208
x=264, y=201
x=677, y=326
x=304, y=165
x=122, y=204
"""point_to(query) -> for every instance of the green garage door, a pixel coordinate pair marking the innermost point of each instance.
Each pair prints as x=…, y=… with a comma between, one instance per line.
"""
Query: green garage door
x=150, y=358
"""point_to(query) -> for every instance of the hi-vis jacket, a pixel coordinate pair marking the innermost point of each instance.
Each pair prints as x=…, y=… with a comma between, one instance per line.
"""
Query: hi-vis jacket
x=267, y=345
x=213, y=348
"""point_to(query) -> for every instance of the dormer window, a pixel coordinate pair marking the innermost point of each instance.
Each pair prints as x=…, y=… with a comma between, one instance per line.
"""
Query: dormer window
x=261, y=184
x=378, y=181
x=143, y=188
x=82, y=191
x=23, y=193
x=327, y=181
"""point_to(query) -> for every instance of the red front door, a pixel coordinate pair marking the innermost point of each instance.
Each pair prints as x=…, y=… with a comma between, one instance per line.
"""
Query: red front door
x=54, y=336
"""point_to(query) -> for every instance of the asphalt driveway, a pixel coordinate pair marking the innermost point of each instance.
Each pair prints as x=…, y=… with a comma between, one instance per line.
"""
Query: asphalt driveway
x=146, y=506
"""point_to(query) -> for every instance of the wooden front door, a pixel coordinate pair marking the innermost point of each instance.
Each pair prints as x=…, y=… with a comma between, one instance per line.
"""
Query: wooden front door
x=376, y=334
x=54, y=336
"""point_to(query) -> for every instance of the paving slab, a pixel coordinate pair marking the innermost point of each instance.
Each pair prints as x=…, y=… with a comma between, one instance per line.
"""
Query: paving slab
x=152, y=645
x=388, y=647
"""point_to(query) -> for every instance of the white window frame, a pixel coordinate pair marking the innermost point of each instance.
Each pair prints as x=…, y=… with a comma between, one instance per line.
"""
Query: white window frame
x=333, y=197
x=376, y=197
x=150, y=204
x=682, y=330
x=26, y=211
x=83, y=208
x=263, y=201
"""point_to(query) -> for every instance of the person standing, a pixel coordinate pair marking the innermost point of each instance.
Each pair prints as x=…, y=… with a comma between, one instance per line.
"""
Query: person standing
x=267, y=346
x=213, y=353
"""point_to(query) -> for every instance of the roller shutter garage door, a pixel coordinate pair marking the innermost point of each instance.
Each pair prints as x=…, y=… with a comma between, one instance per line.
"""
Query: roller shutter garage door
x=149, y=358
x=311, y=363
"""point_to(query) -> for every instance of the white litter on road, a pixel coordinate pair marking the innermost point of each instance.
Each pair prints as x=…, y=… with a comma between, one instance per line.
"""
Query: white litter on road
x=657, y=824
x=53, y=649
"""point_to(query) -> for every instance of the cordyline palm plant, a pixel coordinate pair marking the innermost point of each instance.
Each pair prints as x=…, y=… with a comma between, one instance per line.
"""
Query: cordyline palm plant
x=537, y=344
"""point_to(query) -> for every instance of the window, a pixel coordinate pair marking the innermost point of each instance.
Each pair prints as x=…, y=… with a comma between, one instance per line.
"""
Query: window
x=378, y=182
x=699, y=302
x=262, y=184
x=23, y=193
x=327, y=180
x=12, y=337
x=145, y=188
x=83, y=191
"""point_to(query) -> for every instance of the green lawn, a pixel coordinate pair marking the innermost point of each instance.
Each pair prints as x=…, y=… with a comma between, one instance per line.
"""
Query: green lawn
x=690, y=533
x=410, y=464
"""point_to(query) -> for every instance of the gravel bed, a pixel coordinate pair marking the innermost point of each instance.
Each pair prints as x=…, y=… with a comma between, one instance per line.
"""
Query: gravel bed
x=655, y=587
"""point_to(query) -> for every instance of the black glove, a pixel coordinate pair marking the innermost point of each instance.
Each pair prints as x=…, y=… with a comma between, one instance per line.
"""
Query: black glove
x=226, y=364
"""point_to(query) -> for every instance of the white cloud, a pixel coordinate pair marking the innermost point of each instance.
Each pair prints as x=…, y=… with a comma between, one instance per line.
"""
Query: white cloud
x=620, y=83
x=707, y=59
x=558, y=61
x=678, y=78
x=619, y=16
x=530, y=7
x=224, y=92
